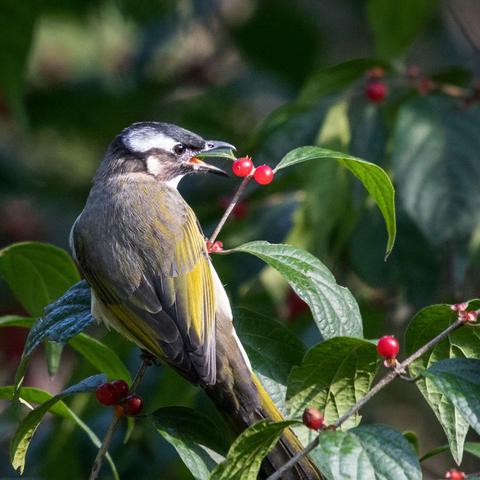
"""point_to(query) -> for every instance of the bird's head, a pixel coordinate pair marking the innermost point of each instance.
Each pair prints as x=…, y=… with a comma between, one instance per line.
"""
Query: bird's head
x=162, y=150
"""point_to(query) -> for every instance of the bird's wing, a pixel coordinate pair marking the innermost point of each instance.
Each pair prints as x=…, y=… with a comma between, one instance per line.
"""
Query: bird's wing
x=156, y=280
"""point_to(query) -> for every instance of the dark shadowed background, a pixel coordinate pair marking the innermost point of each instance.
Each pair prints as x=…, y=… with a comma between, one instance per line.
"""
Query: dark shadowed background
x=74, y=73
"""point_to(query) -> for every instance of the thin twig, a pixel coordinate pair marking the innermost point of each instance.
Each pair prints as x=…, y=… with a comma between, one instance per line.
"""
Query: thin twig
x=379, y=386
x=107, y=439
x=230, y=207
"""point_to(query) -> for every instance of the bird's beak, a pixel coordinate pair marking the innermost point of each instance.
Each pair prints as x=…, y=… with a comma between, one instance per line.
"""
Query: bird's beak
x=210, y=146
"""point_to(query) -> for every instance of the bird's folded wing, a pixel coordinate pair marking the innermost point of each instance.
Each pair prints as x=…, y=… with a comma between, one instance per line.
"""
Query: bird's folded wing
x=163, y=297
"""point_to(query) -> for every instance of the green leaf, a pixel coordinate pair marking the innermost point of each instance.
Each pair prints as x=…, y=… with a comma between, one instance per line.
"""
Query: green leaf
x=37, y=273
x=435, y=164
x=272, y=349
x=36, y=395
x=101, y=357
x=365, y=453
x=333, y=376
x=374, y=179
x=470, y=447
x=333, y=307
x=16, y=321
x=249, y=449
x=23, y=436
x=463, y=343
x=196, y=439
x=53, y=352
x=333, y=79
x=396, y=24
x=97, y=353
x=459, y=380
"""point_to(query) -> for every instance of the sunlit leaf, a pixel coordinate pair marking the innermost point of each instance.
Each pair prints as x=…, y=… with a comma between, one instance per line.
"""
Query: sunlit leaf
x=333, y=376
x=373, y=178
x=249, y=449
x=463, y=343
x=333, y=307
x=366, y=452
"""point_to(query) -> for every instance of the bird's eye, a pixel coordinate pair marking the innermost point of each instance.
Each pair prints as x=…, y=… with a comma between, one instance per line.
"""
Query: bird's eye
x=179, y=148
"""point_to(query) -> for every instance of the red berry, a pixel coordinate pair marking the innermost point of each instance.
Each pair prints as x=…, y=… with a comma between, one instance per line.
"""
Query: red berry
x=312, y=418
x=106, y=394
x=121, y=387
x=242, y=166
x=388, y=346
x=376, y=91
x=132, y=405
x=263, y=175
x=454, y=474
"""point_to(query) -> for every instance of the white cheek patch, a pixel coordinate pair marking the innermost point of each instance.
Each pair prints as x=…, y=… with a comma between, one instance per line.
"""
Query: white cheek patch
x=154, y=166
x=146, y=139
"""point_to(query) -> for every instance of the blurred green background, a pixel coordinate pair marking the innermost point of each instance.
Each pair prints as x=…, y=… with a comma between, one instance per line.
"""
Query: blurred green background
x=255, y=73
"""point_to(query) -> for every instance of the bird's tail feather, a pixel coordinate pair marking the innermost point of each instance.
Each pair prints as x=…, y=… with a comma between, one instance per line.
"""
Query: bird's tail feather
x=243, y=401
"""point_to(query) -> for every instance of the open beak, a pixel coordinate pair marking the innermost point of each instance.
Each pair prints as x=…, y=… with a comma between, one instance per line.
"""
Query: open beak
x=210, y=146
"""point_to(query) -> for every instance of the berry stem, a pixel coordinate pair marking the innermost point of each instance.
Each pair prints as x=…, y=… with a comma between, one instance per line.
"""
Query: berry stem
x=231, y=206
x=107, y=439
x=379, y=386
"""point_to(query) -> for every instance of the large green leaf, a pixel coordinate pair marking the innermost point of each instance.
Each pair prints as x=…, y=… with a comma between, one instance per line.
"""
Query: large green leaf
x=249, y=449
x=365, y=453
x=272, y=349
x=435, y=161
x=463, y=343
x=24, y=433
x=197, y=440
x=396, y=24
x=333, y=307
x=37, y=273
x=459, y=380
x=36, y=395
x=333, y=376
x=101, y=357
x=374, y=179
x=97, y=353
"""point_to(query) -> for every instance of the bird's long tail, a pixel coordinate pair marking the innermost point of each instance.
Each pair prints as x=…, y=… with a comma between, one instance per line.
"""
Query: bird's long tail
x=241, y=398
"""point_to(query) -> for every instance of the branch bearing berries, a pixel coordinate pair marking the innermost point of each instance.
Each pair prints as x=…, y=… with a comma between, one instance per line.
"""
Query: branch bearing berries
x=312, y=418
x=263, y=175
x=242, y=166
x=388, y=347
x=376, y=91
x=132, y=405
x=454, y=474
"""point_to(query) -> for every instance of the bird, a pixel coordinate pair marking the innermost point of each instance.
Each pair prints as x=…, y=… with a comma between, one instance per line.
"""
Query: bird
x=141, y=248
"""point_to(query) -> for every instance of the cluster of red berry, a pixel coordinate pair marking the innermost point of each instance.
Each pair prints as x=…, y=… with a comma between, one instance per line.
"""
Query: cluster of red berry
x=116, y=393
x=243, y=167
